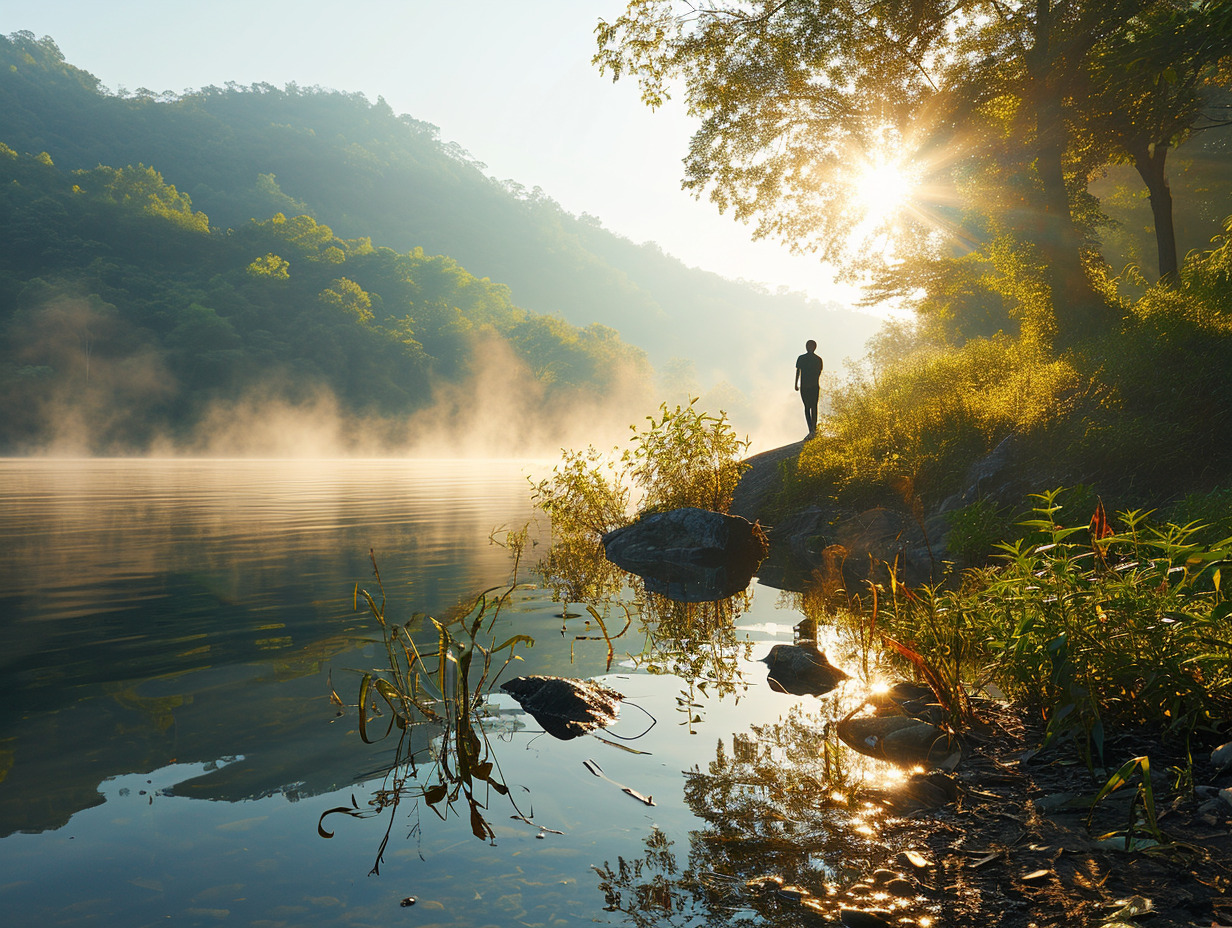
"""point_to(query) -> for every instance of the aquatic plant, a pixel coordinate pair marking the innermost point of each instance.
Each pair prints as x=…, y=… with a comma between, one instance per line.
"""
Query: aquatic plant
x=441, y=692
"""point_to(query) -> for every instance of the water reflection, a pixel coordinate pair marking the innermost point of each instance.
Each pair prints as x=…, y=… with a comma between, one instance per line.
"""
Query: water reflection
x=695, y=640
x=155, y=611
x=788, y=834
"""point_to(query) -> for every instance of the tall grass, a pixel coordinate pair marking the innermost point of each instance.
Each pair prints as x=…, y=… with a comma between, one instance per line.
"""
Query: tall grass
x=440, y=689
x=1089, y=626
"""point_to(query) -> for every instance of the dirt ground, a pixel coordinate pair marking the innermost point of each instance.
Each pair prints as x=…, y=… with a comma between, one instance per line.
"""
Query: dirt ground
x=1015, y=850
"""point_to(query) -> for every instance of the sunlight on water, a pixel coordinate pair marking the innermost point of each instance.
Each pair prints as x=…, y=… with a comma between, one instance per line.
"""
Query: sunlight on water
x=169, y=745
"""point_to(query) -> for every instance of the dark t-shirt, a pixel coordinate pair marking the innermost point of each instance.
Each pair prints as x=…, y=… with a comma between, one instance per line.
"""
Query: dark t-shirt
x=809, y=366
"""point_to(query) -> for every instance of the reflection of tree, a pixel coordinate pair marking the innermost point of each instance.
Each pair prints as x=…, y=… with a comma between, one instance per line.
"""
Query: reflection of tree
x=784, y=829
x=696, y=642
x=576, y=571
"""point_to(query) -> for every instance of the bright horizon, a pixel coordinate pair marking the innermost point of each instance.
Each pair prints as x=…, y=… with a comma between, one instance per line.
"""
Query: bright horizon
x=512, y=83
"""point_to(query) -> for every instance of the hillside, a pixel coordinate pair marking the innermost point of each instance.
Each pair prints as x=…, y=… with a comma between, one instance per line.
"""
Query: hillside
x=242, y=153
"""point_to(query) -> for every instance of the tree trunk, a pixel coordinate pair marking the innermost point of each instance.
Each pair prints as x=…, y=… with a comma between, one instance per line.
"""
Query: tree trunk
x=1150, y=160
x=1079, y=310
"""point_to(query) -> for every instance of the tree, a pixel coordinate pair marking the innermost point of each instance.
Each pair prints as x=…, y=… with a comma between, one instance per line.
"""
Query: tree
x=1150, y=90
x=349, y=298
x=798, y=103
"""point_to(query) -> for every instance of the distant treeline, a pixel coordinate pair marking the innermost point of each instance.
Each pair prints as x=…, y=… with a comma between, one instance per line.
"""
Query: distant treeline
x=342, y=169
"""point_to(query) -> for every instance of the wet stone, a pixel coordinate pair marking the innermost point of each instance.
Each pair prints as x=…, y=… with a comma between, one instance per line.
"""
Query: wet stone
x=865, y=918
x=565, y=707
x=901, y=887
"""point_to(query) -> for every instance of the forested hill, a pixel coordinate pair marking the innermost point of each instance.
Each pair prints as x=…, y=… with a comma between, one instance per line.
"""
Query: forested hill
x=245, y=153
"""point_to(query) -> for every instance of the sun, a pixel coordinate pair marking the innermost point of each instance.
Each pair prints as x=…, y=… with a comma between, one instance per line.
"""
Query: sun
x=882, y=190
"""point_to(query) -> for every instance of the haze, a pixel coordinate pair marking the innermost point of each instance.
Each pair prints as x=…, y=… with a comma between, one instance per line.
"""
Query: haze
x=510, y=82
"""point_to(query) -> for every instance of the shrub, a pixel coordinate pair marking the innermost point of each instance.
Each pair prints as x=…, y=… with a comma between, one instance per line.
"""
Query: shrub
x=1132, y=628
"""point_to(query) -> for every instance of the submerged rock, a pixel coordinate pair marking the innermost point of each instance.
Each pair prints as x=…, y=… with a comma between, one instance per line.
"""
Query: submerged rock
x=901, y=740
x=689, y=555
x=565, y=707
x=801, y=670
x=913, y=699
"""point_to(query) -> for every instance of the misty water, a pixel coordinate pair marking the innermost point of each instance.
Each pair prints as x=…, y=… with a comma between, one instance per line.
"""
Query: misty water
x=168, y=744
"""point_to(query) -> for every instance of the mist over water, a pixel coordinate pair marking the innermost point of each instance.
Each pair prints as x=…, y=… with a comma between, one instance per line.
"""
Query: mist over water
x=502, y=410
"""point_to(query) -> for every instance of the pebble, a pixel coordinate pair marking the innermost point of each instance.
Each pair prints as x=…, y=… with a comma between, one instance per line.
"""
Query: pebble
x=911, y=859
x=1226, y=795
x=883, y=876
x=1221, y=757
x=1211, y=808
x=408, y=901
x=860, y=918
x=900, y=887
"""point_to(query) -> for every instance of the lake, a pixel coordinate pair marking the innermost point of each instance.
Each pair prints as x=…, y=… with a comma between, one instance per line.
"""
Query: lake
x=174, y=630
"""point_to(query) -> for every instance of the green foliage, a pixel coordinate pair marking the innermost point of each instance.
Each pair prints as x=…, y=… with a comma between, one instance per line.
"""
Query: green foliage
x=375, y=327
x=369, y=175
x=1131, y=628
x=270, y=266
x=1208, y=515
x=928, y=416
x=347, y=297
x=686, y=457
x=976, y=529
x=585, y=494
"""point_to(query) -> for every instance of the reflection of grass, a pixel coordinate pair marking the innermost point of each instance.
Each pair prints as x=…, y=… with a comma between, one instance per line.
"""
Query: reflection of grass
x=696, y=642
x=445, y=689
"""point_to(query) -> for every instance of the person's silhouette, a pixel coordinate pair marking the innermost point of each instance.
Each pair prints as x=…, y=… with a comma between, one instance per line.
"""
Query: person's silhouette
x=808, y=383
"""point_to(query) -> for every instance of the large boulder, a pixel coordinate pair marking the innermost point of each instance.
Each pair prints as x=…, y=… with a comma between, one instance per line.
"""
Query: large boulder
x=690, y=555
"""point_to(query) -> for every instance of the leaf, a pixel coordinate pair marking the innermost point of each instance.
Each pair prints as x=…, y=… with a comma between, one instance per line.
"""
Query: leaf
x=516, y=639
x=480, y=828
x=434, y=794
x=364, y=685
x=321, y=827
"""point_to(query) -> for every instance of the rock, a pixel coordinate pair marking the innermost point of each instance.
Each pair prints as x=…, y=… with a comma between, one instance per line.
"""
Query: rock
x=762, y=480
x=865, y=918
x=903, y=888
x=901, y=740
x=566, y=708
x=913, y=699
x=877, y=537
x=1221, y=757
x=801, y=670
x=689, y=555
x=913, y=860
x=1226, y=796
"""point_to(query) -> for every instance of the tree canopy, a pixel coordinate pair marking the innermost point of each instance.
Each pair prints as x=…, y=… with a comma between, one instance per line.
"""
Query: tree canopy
x=987, y=113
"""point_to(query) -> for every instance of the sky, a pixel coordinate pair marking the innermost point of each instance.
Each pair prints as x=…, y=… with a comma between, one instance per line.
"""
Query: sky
x=508, y=80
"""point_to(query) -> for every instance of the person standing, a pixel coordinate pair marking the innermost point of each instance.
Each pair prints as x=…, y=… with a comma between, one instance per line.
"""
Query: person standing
x=808, y=383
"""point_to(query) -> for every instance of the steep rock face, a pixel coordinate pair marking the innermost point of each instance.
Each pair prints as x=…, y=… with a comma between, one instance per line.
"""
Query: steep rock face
x=691, y=555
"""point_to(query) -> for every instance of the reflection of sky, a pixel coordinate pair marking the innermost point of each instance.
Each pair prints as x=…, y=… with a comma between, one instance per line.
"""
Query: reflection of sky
x=231, y=590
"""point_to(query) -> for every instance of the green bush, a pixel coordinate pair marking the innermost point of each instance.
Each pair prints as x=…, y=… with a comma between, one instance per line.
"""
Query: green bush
x=1131, y=629
x=927, y=417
